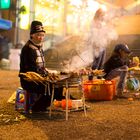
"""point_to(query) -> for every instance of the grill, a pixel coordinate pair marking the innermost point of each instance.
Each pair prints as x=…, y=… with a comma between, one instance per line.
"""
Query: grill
x=67, y=82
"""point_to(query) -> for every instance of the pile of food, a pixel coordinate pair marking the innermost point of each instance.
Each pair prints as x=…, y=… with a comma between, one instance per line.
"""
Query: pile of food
x=135, y=68
x=35, y=77
x=98, y=72
x=56, y=77
x=86, y=71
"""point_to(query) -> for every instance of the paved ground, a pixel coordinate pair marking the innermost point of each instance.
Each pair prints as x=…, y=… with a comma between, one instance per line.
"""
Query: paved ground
x=106, y=120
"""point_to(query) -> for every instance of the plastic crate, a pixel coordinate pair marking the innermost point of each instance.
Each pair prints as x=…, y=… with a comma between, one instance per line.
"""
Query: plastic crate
x=99, y=89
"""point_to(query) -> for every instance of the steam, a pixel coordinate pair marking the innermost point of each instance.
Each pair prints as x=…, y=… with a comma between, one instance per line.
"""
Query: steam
x=100, y=34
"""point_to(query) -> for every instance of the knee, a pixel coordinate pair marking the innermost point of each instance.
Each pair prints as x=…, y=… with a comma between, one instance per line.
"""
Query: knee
x=125, y=67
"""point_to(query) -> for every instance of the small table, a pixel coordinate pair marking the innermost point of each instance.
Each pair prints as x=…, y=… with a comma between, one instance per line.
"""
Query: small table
x=68, y=82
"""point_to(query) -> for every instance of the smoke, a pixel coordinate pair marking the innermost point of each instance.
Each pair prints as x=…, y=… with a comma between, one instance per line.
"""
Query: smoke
x=100, y=34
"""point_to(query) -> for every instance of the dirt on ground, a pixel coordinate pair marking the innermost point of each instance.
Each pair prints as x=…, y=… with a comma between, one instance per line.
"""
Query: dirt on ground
x=106, y=120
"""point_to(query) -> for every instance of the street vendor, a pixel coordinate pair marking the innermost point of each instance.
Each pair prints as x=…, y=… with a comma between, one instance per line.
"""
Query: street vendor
x=32, y=60
x=117, y=66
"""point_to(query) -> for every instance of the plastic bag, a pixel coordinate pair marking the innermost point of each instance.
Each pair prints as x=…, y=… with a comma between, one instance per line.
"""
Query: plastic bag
x=133, y=84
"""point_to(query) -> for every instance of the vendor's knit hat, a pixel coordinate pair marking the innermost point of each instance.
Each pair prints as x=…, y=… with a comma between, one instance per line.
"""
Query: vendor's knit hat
x=123, y=47
x=36, y=26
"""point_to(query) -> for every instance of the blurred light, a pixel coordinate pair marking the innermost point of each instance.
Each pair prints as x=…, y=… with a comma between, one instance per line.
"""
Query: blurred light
x=24, y=18
x=24, y=23
x=76, y=3
x=5, y=24
x=103, y=7
x=5, y=4
x=92, y=5
x=42, y=3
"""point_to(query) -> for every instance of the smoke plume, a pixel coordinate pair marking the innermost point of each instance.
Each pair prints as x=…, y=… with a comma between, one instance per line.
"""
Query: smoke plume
x=99, y=36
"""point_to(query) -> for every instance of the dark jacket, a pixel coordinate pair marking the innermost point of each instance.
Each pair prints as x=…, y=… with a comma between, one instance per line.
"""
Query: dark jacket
x=32, y=59
x=113, y=62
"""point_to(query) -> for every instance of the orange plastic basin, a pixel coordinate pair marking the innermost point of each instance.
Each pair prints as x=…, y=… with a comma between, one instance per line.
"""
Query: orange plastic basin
x=99, y=89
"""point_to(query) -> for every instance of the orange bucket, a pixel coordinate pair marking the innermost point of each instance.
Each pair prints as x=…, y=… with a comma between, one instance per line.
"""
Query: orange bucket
x=99, y=89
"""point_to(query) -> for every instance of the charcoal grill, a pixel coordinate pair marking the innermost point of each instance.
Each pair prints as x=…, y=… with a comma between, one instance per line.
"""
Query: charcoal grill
x=67, y=82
